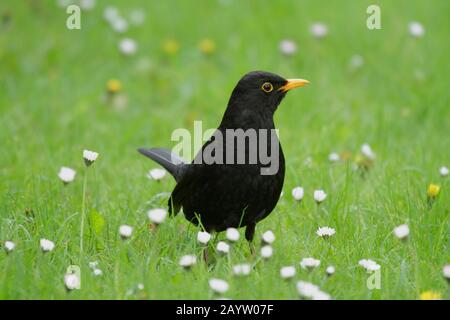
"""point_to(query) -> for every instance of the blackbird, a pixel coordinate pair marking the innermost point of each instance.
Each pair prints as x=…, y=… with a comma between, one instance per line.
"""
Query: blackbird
x=226, y=194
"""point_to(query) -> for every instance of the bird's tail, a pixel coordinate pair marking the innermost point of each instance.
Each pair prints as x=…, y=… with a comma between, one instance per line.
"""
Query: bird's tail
x=170, y=161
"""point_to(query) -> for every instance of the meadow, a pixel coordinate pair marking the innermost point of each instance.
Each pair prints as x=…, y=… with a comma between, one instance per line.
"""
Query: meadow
x=386, y=88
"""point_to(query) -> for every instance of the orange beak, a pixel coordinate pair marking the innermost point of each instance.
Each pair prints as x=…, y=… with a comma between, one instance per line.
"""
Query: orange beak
x=293, y=83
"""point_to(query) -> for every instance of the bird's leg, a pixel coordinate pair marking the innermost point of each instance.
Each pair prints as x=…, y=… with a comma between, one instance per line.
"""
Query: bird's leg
x=249, y=234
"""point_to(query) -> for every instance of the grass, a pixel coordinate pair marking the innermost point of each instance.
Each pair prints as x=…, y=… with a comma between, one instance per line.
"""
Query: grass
x=52, y=107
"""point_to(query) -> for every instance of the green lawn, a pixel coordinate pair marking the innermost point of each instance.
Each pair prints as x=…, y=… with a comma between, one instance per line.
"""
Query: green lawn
x=53, y=105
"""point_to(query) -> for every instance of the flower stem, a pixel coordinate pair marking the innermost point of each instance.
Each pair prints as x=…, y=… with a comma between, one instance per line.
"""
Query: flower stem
x=83, y=209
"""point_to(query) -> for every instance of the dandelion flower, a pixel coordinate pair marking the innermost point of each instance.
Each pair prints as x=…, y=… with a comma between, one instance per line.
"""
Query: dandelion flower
x=171, y=47
x=287, y=272
x=430, y=295
x=128, y=46
x=288, y=47
x=330, y=270
x=137, y=17
x=207, y=46
x=309, y=263
x=71, y=281
x=223, y=247
x=266, y=252
x=156, y=174
x=325, y=232
x=367, y=151
x=402, y=231
x=218, y=285
x=157, y=216
x=268, y=237
x=66, y=174
x=446, y=272
x=232, y=234
x=46, y=245
x=113, y=86
x=97, y=272
x=298, y=193
x=416, y=29
x=319, y=30
x=89, y=157
x=9, y=246
x=433, y=190
x=319, y=196
x=125, y=231
x=188, y=261
x=334, y=157
x=241, y=269
x=443, y=171
x=369, y=265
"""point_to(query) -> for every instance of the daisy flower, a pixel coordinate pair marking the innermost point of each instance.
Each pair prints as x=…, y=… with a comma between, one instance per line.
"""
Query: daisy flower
x=334, y=157
x=232, y=234
x=241, y=269
x=188, y=261
x=307, y=289
x=119, y=24
x=66, y=174
x=140, y=286
x=402, y=231
x=288, y=47
x=89, y=157
x=433, y=190
x=128, y=46
x=46, y=245
x=97, y=272
x=287, y=272
x=157, y=216
x=416, y=29
x=319, y=30
x=203, y=237
x=320, y=295
x=9, y=246
x=71, y=281
x=367, y=151
x=298, y=193
x=369, y=265
x=319, y=196
x=110, y=13
x=268, y=237
x=125, y=231
x=93, y=264
x=309, y=263
x=156, y=174
x=443, y=171
x=325, y=232
x=223, y=247
x=330, y=270
x=356, y=61
x=87, y=4
x=266, y=252
x=218, y=285
x=446, y=272
x=137, y=17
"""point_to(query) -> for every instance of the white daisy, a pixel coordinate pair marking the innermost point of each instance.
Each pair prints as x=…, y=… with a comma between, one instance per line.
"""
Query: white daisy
x=188, y=261
x=223, y=247
x=366, y=150
x=288, y=47
x=446, y=271
x=320, y=295
x=319, y=30
x=416, y=29
x=307, y=289
x=128, y=46
x=356, y=62
x=232, y=234
x=46, y=245
x=156, y=174
x=125, y=231
x=325, y=232
x=89, y=157
x=119, y=24
x=110, y=14
x=137, y=17
x=218, y=285
x=66, y=174
x=309, y=263
x=443, y=171
x=330, y=270
x=266, y=252
x=157, y=216
x=97, y=272
x=334, y=157
x=241, y=269
x=319, y=195
x=298, y=193
x=287, y=272
x=140, y=286
x=87, y=4
x=93, y=264
x=203, y=237
x=71, y=281
x=9, y=246
x=369, y=265
x=268, y=237
x=402, y=231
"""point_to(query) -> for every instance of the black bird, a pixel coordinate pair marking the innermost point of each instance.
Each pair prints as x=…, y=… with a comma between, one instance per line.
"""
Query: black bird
x=223, y=195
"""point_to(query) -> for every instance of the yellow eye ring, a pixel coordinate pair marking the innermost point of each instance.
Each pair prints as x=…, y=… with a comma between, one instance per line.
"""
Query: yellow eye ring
x=267, y=87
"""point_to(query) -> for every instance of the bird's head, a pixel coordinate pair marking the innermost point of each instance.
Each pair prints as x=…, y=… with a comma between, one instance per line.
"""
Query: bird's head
x=260, y=89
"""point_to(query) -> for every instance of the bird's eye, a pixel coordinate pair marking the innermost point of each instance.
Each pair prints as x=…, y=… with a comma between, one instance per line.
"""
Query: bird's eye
x=267, y=87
